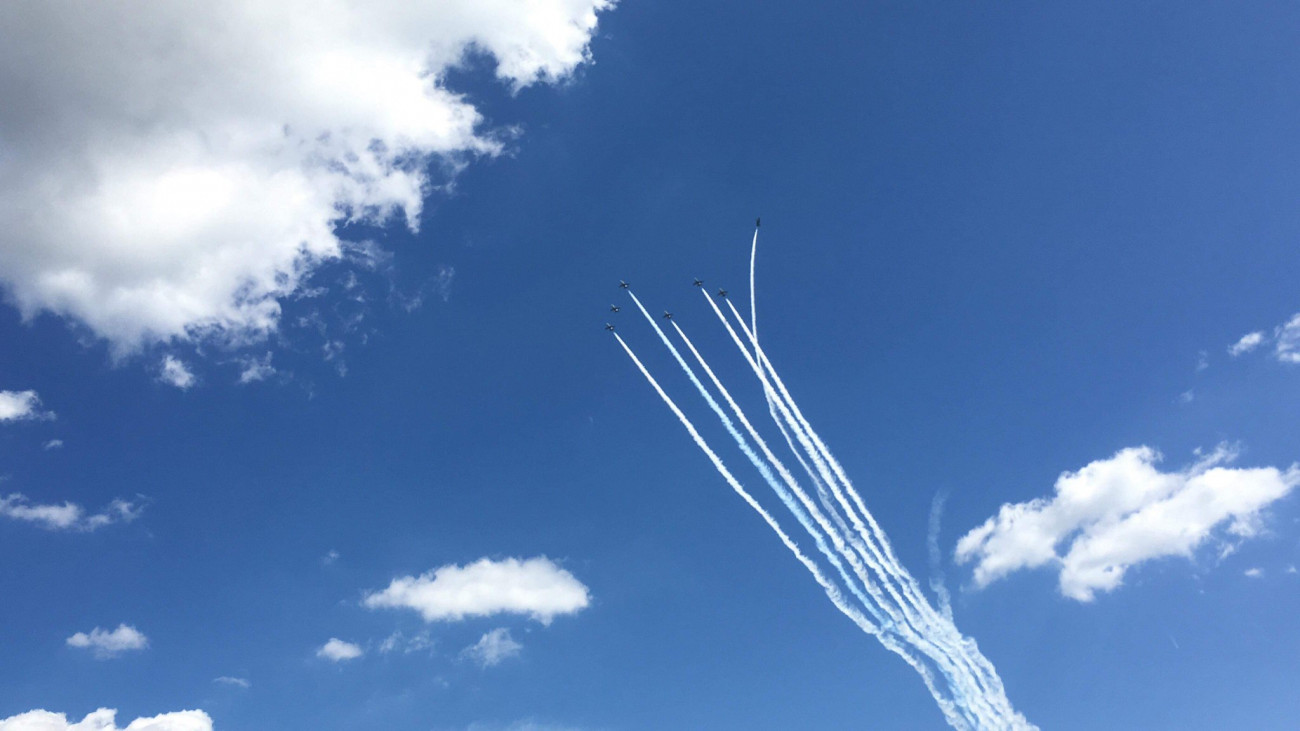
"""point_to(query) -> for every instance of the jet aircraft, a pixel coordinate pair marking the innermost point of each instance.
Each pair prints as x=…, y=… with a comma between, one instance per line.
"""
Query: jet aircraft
x=699, y=282
x=668, y=315
x=758, y=222
x=614, y=308
x=609, y=327
x=722, y=293
x=622, y=284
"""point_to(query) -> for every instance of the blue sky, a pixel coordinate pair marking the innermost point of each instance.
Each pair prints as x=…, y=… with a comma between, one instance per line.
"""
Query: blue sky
x=998, y=244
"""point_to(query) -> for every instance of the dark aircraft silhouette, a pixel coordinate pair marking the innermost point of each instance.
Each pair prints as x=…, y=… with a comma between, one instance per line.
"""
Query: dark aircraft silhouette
x=722, y=293
x=609, y=327
x=758, y=222
x=622, y=284
x=668, y=315
x=699, y=282
x=613, y=308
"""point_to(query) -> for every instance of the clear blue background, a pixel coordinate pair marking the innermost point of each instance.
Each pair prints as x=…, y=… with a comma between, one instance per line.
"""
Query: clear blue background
x=995, y=240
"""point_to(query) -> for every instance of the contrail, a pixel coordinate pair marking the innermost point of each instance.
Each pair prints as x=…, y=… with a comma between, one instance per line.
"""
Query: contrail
x=967, y=688
x=936, y=559
x=833, y=592
x=931, y=639
x=762, y=467
x=982, y=686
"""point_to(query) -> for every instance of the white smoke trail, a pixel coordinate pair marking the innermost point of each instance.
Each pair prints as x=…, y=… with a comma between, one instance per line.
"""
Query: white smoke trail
x=947, y=707
x=753, y=296
x=936, y=558
x=982, y=688
x=951, y=660
x=761, y=466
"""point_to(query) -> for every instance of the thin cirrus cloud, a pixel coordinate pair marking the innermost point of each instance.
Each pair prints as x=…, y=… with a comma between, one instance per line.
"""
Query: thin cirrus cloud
x=171, y=172
x=1117, y=513
x=105, y=719
x=1284, y=338
x=21, y=405
x=535, y=587
x=67, y=516
x=493, y=648
x=106, y=644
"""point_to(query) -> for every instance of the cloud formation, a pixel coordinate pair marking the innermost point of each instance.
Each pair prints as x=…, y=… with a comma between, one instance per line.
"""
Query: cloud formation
x=536, y=587
x=69, y=516
x=106, y=644
x=338, y=650
x=171, y=172
x=19, y=405
x=1119, y=512
x=174, y=372
x=492, y=648
x=231, y=681
x=1285, y=339
x=105, y=719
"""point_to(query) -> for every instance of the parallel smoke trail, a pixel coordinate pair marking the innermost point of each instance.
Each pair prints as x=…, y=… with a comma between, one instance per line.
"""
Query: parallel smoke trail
x=761, y=466
x=926, y=637
x=833, y=592
x=982, y=687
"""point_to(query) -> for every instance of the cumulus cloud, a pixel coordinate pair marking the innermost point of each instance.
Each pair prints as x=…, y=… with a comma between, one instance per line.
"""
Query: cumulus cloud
x=1254, y=573
x=171, y=172
x=492, y=648
x=536, y=587
x=69, y=516
x=1119, y=512
x=338, y=650
x=106, y=644
x=1247, y=343
x=105, y=719
x=174, y=372
x=19, y=405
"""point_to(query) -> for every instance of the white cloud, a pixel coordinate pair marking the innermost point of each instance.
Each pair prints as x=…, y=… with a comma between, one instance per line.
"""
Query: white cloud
x=1287, y=340
x=1187, y=396
x=173, y=371
x=236, y=682
x=1254, y=573
x=106, y=644
x=330, y=557
x=1247, y=343
x=256, y=369
x=105, y=719
x=398, y=641
x=52, y=444
x=536, y=587
x=1117, y=513
x=338, y=650
x=19, y=405
x=492, y=648
x=68, y=516
x=171, y=171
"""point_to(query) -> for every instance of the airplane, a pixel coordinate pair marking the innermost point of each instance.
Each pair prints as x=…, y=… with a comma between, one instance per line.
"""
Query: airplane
x=622, y=284
x=668, y=315
x=609, y=327
x=758, y=222
x=722, y=293
x=699, y=282
x=613, y=308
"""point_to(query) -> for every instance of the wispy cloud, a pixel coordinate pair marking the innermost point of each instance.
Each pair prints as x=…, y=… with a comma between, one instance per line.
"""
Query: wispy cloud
x=1254, y=573
x=536, y=587
x=398, y=642
x=231, y=681
x=253, y=369
x=337, y=650
x=107, y=644
x=1119, y=512
x=20, y=405
x=174, y=372
x=52, y=444
x=68, y=516
x=492, y=648
x=1284, y=338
